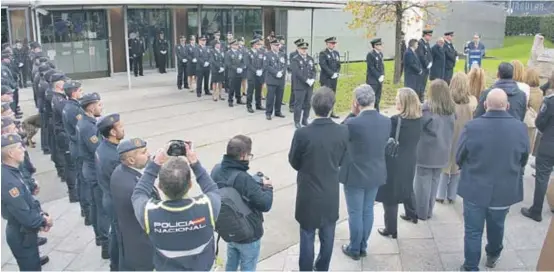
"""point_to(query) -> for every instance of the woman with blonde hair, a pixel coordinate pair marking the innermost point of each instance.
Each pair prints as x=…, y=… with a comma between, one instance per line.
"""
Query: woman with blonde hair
x=465, y=104
x=477, y=81
x=401, y=168
x=434, y=146
x=519, y=77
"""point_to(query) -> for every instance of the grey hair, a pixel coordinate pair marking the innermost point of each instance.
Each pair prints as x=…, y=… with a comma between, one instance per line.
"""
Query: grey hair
x=175, y=177
x=323, y=101
x=365, y=96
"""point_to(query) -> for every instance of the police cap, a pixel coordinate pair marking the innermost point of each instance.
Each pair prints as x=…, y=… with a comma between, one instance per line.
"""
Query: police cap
x=34, y=45
x=5, y=56
x=232, y=41
x=43, y=59
x=428, y=32
x=217, y=32
x=202, y=37
x=192, y=38
x=280, y=37
x=229, y=33
x=38, y=55
x=376, y=41
x=130, y=145
x=6, y=90
x=107, y=121
x=57, y=77
x=331, y=40
x=10, y=139
x=303, y=45
x=254, y=41
x=48, y=74
x=6, y=121
x=241, y=39
x=299, y=41
x=43, y=68
x=274, y=41
x=71, y=86
x=89, y=99
x=449, y=33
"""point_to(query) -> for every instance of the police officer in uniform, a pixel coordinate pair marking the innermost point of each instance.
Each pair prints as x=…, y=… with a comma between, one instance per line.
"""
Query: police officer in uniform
x=425, y=57
x=88, y=142
x=23, y=213
x=275, y=68
x=375, y=73
x=71, y=114
x=303, y=79
x=254, y=61
x=202, y=56
x=191, y=66
x=234, y=61
x=37, y=74
x=217, y=64
x=178, y=223
x=137, y=51
x=59, y=100
x=45, y=134
x=162, y=46
x=107, y=159
x=182, y=61
x=329, y=61
x=545, y=156
x=52, y=77
x=291, y=55
x=451, y=56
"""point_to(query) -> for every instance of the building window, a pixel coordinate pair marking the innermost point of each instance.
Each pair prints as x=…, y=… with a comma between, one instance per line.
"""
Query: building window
x=213, y=20
x=246, y=21
x=18, y=22
x=192, y=26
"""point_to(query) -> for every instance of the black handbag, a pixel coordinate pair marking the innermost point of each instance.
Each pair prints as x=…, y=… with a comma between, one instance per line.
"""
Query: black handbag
x=391, y=149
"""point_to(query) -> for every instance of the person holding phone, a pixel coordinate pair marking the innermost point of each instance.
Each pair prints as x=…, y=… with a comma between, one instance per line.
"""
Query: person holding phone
x=180, y=227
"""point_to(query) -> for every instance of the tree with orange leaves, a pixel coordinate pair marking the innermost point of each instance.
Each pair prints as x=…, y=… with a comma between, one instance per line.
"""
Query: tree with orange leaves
x=368, y=14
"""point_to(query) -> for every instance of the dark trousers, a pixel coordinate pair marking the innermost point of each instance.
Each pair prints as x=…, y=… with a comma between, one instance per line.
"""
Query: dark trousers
x=409, y=206
x=302, y=105
x=203, y=75
x=475, y=218
x=162, y=61
x=234, y=89
x=254, y=90
x=448, y=73
x=113, y=240
x=377, y=88
x=99, y=219
x=274, y=99
x=329, y=83
x=24, y=247
x=16, y=99
x=56, y=154
x=82, y=189
x=292, y=98
x=70, y=174
x=422, y=85
x=136, y=63
x=23, y=77
x=543, y=167
x=391, y=217
x=182, y=76
x=307, y=239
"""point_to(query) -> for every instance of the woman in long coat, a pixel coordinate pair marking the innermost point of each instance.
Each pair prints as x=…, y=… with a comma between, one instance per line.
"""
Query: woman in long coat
x=401, y=169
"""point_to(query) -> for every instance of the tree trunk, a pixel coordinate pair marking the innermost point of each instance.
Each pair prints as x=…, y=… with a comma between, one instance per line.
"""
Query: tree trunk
x=398, y=38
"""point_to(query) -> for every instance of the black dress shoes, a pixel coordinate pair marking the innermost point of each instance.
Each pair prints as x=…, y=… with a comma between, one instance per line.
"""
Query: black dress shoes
x=280, y=115
x=41, y=241
x=527, y=213
x=347, y=252
x=44, y=260
x=407, y=218
x=386, y=233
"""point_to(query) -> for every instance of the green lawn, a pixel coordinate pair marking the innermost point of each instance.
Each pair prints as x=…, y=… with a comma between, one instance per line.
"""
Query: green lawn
x=514, y=48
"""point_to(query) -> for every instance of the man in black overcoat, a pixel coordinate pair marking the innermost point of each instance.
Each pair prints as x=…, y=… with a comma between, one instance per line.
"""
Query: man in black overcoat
x=439, y=58
x=412, y=68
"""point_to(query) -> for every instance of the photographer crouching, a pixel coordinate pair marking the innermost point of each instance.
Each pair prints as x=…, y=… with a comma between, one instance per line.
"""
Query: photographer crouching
x=180, y=227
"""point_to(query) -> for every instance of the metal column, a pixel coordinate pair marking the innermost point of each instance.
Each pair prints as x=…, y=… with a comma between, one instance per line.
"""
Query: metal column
x=39, y=40
x=312, y=33
x=126, y=30
x=110, y=45
x=33, y=24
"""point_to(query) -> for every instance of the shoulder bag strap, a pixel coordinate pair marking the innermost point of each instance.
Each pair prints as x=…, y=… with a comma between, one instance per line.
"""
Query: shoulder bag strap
x=396, y=137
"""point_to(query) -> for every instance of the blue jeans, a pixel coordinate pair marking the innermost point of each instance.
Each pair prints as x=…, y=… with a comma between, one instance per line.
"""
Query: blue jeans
x=307, y=239
x=244, y=254
x=475, y=218
x=359, y=203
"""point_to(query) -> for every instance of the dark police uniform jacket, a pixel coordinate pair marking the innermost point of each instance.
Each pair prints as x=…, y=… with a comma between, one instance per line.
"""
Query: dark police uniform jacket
x=43, y=86
x=58, y=104
x=234, y=59
x=72, y=113
x=329, y=62
x=202, y=55
x=439, y=59
x=217, y=61
x=182, y=53
x=274, y=62
x=423, y=52
x=8, y=76
x=107, y=159
x=254, y=61
x=137, y=47
x=545, y=124
x=375, y=67
x=87, y=140
x=136, y=246
x=412, y=69
x=302, y=70
x=451, y=55
x=162, y=45
x=191, y=52
x=181, y=231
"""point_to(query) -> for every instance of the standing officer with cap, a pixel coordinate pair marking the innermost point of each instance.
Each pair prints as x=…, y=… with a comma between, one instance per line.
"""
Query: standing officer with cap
x=425, y=57
x=23, y=213
x=234, y=61
x=291, y=55
x=329, y=61
x=375, y=73
x=136, y=248
x=202, y=56
x=42, y=68
x=303, y=78
x=451, y=56
x=182, y=61
x=59, y=100
x=544, y=161
x=71, y=114
x=191, y=66
x=88, y=142
x=107, y=159
x=55, y=155
x=275, y=68
x=137, y=49
x=254, y=61
x=161, y=52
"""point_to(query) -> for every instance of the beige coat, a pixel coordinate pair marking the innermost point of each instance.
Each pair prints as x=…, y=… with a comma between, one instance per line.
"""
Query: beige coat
x=546, y=259
x=464, y=113
x=535, y=102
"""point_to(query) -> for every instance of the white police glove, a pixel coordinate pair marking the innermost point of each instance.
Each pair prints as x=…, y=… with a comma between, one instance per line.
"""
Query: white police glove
x=279, y=74
x=206, y=64
x=194, y=60
x=457, y=58
x=259, y=72
x=430, y=65
x=164, y=52
x=184, y=60
x=335, y=75
x=134, y=55
x=310, y=82
x=20, y=64
x=381, y=78
x=221, y=69
x=239, y=70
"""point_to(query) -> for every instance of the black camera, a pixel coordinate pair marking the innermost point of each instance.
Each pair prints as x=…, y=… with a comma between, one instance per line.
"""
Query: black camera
x=259, y=177
x=177, y=148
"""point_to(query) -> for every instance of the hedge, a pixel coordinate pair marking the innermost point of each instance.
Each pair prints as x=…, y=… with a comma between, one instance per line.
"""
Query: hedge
x=530, y=25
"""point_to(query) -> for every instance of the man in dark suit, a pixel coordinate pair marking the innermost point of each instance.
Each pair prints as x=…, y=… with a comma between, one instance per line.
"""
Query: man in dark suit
x=426, y=59
x=135, y=246
x=329, y=62
x=137, y=48
x=375, y=72
x=162, y=47
x=364, y=168
x=412, y=68
x=439, y=58
x=491, y=153
x=317, y=196
x=451, y=56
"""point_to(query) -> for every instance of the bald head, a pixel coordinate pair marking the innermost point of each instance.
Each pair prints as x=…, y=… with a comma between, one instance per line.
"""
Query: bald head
x=497, y=100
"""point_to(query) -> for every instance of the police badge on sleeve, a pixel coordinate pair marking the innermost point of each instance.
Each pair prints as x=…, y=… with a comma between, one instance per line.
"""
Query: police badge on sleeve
x=282, y=59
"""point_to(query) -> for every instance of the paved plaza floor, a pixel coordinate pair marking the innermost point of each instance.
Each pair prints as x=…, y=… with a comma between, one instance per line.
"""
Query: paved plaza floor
x=155, y=110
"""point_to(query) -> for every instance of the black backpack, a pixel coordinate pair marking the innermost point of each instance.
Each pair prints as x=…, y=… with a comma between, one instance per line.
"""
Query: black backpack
x=232, y=223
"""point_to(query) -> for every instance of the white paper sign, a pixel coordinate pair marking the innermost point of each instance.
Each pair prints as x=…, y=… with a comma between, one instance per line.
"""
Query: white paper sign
x=51, y=54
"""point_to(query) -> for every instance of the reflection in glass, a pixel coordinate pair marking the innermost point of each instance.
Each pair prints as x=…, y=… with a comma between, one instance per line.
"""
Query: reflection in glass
x=4, y=28
x=246, y=21
x=216, y=19
x=192, y=26
x=149, y=23
x=18, y=24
